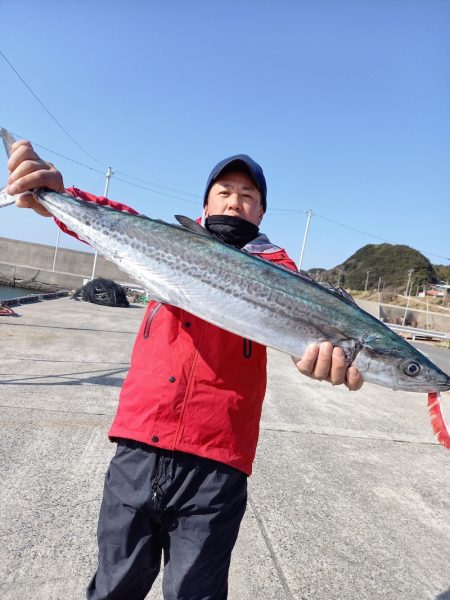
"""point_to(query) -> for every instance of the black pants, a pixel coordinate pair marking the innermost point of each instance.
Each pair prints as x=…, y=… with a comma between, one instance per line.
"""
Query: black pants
x=155, y=502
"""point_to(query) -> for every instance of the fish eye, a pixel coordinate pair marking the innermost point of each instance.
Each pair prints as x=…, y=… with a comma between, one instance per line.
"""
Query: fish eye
x=412, y=369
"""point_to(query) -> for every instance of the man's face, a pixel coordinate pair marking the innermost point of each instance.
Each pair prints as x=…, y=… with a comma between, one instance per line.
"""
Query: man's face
x=236, y=195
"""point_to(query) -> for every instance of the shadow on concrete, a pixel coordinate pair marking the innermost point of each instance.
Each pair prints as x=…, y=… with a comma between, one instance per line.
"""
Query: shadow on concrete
x=107, y=378
x=444, y=595
x=34, y=326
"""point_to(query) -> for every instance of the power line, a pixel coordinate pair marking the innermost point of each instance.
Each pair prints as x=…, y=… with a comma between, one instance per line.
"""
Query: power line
x=373, y=235
x=157, y=185
x=47, y=110
x=91, y=156
x=76, y=162
x=290, y=210
x=142, y=187
x=148, y=189
x=284, y=211
x=280, y=210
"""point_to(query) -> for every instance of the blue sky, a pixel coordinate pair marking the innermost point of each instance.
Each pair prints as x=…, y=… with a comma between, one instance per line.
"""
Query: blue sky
x=345, y=104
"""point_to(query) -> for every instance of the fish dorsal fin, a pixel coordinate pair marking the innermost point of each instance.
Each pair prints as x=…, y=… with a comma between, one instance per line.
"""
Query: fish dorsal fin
x=193, y=226
x=337, y=290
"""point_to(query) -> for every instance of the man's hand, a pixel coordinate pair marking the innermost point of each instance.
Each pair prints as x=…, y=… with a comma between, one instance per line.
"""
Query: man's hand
x=327, y=363
x=28, y=171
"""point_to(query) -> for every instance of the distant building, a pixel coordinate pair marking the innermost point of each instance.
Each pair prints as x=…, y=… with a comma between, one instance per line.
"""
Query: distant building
x=440, y=290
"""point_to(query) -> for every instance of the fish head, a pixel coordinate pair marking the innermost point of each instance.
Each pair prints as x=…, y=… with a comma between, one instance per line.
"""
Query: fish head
x=400, y=366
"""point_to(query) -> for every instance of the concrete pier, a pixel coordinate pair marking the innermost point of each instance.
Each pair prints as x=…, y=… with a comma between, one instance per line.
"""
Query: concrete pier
x=26, y=264
x=349, y=500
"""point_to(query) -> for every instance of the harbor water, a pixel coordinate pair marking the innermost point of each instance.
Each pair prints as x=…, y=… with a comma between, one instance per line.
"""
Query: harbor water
x=7, y=291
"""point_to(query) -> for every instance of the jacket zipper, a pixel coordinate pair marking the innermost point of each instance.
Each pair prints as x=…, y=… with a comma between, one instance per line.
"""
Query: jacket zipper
x=148, y=322
x=190, y=383
x=248, y=347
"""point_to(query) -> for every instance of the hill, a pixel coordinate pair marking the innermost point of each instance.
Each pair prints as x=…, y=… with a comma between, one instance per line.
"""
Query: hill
x=443, y=272
x=384, y=265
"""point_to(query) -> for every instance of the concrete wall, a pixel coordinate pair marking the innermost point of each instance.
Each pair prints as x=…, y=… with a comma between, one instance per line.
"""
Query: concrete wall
x=22, y=263
x=414, y=318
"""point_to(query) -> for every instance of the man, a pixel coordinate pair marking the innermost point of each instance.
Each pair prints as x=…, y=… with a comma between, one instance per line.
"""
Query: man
x=188, y=416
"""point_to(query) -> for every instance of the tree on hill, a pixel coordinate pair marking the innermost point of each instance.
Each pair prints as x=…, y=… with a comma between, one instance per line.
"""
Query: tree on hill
x=389, y=262
x=443, y=273
x=316, y=272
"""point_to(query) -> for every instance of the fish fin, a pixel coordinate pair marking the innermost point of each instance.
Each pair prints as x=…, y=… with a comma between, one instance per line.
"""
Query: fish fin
x=337, y=290
x=331, y=334
x=351, y=347
x=154, y=296
x=438, y=422
x=193, y=226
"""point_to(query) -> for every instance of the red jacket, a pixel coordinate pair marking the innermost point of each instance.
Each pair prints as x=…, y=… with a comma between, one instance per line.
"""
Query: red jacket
x=193, y=387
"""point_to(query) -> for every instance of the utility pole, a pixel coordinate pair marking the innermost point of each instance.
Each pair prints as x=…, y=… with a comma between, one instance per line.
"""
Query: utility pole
x=378, y=289
x=309, y=213
x=56, y=249
x=408, y=285
x=410, y=272
x=339, y=278
x=367, y=281
x=109, y=174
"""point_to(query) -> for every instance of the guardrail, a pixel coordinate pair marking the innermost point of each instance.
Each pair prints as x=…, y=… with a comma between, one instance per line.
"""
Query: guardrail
x=415, y=332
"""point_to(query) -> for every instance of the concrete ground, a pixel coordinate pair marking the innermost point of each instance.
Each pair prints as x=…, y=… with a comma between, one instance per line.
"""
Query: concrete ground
x=350, y=496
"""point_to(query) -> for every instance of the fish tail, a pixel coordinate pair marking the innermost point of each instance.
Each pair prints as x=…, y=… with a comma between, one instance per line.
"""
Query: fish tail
x=438, y=422
x=8, y=140
x=5, y=199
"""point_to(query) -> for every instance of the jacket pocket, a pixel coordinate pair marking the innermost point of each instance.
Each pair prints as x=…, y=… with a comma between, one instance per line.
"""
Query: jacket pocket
x=149, y=320
x=247, y=348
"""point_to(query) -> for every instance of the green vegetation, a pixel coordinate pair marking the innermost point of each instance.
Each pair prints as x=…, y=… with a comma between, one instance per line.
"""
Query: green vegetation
x=443, y=272
x=389, y=262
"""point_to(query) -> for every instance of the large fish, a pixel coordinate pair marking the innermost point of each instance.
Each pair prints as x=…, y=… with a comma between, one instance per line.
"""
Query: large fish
x=187, y=267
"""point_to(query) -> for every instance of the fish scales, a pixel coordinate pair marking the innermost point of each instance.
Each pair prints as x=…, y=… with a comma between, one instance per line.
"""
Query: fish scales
x=245, y=294
x=202, y=279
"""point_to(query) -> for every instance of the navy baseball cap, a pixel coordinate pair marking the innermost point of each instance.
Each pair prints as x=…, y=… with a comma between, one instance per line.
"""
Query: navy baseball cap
x=240, y=161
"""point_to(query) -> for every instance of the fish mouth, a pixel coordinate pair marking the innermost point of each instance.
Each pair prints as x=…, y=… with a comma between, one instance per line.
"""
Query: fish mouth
x=444, y=386
x=442, y=382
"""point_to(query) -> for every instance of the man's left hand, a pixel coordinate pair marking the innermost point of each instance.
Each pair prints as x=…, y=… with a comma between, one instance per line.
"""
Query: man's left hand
x=327, y=363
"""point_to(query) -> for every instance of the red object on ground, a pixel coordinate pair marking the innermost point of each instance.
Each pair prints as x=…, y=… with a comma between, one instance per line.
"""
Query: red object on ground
x=438, y=422
x=5, y=311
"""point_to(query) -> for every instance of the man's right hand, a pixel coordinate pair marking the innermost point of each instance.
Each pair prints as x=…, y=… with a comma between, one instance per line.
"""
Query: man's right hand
x=28, y=171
